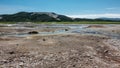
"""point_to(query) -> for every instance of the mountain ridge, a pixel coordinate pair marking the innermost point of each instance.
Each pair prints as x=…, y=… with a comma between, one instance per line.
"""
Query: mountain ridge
x=45, y=17
x=34, y=16
x=112, y=19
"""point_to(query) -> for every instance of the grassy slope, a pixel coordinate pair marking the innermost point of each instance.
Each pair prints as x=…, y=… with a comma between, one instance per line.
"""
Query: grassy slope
x=82, y=22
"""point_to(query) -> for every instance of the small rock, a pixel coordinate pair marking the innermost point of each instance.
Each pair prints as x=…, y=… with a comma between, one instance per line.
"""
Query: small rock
x=11, y=52
x=33, y=32
x=44, y=39
x=17, y=44
x=66, y=29
x=74, y=65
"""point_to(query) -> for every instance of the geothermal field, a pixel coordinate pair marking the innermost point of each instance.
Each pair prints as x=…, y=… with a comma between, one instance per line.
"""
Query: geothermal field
x=59, y=46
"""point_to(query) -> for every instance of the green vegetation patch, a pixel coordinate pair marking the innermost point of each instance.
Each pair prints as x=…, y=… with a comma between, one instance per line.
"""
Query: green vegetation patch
x=82, y=22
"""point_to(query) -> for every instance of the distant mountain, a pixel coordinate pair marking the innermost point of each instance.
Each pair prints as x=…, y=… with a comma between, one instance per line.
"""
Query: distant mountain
x=110, y=19
x=34, y=16
x=45, y=17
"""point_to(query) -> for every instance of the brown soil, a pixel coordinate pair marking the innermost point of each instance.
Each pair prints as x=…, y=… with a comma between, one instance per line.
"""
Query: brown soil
x=60, y=51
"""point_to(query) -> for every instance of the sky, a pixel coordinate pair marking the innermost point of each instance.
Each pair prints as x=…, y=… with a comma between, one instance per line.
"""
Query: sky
x=72, y=8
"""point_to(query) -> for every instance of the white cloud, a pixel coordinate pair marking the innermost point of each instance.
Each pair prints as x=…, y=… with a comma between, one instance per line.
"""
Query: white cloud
x=111, y=8
x=95, y=16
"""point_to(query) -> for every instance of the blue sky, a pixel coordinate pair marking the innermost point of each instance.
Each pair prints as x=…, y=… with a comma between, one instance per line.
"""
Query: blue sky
x=73, y=8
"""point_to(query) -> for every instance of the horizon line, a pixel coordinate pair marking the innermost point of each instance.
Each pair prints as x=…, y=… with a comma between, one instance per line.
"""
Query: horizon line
x=90, y=16
x=93, y=16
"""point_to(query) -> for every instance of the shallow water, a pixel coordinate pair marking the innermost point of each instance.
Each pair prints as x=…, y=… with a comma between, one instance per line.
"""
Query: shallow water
x=79, y=29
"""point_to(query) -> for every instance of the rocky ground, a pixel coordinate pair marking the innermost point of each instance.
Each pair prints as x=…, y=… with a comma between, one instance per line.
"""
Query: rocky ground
x=66, y=50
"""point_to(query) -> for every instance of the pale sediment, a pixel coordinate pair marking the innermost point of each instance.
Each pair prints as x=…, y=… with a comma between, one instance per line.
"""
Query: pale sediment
x=64, y=50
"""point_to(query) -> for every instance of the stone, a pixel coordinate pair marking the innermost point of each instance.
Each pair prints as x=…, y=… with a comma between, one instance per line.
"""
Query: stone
x=33, y=32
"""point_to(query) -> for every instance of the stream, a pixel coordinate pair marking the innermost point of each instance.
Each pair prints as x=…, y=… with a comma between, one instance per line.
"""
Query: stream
x=79, y=29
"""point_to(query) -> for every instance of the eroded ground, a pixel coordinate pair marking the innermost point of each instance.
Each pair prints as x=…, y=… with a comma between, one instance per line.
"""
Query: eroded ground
x=83, y=46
